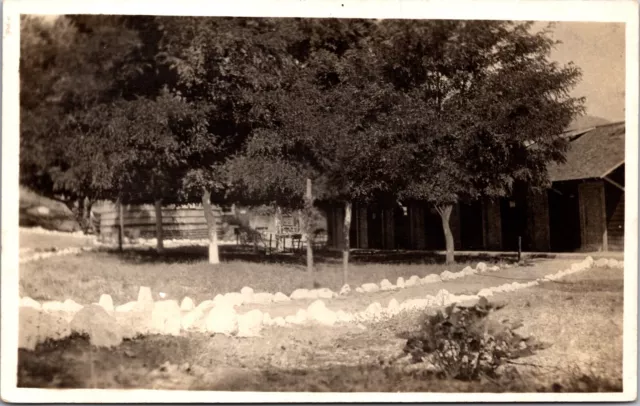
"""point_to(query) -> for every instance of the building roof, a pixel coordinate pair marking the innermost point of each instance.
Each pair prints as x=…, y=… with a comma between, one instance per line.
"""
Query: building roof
x=594, y=154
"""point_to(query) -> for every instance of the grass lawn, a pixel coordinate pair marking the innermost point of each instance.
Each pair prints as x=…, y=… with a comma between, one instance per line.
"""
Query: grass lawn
x=35, y=241
x=581, y=316
x=185, y=272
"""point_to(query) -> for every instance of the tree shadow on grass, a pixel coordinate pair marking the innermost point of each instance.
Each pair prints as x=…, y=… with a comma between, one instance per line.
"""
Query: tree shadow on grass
x=247, y=253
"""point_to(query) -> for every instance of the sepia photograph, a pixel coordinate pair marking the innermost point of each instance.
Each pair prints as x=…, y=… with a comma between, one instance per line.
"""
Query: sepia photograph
x=329, y=200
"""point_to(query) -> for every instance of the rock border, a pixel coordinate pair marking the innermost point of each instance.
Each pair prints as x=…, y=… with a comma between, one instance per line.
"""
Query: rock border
x=144, y=316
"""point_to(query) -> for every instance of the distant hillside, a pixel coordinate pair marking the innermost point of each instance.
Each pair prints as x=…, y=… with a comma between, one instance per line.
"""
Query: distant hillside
x=586, y=121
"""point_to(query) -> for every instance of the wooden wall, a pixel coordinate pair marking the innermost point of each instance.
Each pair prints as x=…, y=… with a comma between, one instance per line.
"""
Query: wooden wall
x=593, y=229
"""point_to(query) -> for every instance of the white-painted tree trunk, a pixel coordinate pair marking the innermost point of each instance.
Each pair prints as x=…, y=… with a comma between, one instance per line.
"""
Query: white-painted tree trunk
x=159, y=230
x=214, y=257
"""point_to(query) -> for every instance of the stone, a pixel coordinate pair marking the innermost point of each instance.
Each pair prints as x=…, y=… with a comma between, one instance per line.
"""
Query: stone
x=279, y=321
x=414, y=280
x=262, y=298
x=71, y=306
x=145, y=299
x=480, y=267
x=433, y=278
x=386, y=285
x=300, y=294
x=400, y=282
x=206, y=305
x=250, y=323
x=313, y=294
x=246, y=291
x=301, y=316
x=35, y=326
x=370, y=287
x=318, y=311
x=102, y=328
x=266, y=319
x=193, y=320
x=106, y=302
x=494, y=268
x=326, y=293
x=345, y=290
x=359, y=289
x=344, y=317
x=409, y=283
x=187, y=304
x=394, y=307
x=234, y=298
x=485, y=292
x=166, y=317
x=281, y=297
x=467, y=270
x=127, y=307
x=374, y=310
x=53, y=306
x=28, y=302
x=222, y=319
x=601, y=263
x=291, y=319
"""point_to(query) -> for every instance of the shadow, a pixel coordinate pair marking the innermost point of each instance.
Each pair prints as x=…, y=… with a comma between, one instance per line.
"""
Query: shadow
x=247, y=253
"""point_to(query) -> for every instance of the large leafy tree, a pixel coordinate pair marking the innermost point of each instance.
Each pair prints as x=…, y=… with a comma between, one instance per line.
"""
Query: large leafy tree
x=481, y=109
x=324, y=124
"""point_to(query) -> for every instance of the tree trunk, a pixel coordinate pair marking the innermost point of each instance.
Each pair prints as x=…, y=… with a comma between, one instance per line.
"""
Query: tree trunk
x=445, y=215
x=308, y=227
x=211, y=227
x=86, y=214
x=121, y=224
x=278, y=227
x=345, y=251
x=159, y=231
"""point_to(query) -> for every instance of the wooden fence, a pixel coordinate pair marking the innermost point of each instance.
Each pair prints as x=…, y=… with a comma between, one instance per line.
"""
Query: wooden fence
x=177, y=223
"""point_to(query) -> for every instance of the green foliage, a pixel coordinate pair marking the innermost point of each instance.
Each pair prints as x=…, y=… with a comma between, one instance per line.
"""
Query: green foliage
x=463, y=343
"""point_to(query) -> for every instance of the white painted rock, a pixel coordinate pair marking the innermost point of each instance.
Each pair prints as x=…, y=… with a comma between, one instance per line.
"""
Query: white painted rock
x=300, y=294
x=326, y=293
x=359, y=289
x=102, y=328
x=145, y=299
x=127, y=307
x=386, y=285
x=433, y=278
x=443, y=297
x=206, y=306
x=414, y=280
x=279, y=321
x=400, y=282
x=589, y=260
x=345, y=290
x=234, y=298
x=28, y=302
x=219, y=299
x=194, y=320
x=313, y=294
x=166, y=317
x=344, y=317
x=187, y=304
x=267, y=320
x=222, y=319
x=246, y=291
x=71, y=306
x=494, y=268
x=409, y=283
x=262, y=298
x=394, y=307
x=318, y=312
x=467, y=270
x=53, y=306
x=370, y=287
x=374, y=311
x=106, y=302
x=291, y=319
x=280, y=297
x=601, y=263
x=485, y=292
x=250, y=324
x=301, y=316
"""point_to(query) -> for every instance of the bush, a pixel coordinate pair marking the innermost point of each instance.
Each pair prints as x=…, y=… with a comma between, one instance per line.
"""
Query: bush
x=463, y=343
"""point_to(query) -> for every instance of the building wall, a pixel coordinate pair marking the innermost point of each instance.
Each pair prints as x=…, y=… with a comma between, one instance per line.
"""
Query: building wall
x=593, y=229
x=538, y=234
x=492, y=225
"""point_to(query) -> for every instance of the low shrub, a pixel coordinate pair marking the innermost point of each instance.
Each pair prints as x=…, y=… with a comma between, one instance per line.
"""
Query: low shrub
x=464, y=343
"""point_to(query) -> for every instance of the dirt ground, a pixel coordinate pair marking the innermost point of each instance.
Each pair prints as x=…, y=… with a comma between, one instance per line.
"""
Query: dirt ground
x=581, y=316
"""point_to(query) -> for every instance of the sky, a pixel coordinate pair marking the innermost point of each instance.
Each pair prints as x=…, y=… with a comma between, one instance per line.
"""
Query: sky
x=599, y=50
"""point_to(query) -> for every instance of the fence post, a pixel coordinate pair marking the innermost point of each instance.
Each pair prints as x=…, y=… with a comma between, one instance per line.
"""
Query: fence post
x=519, y=248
